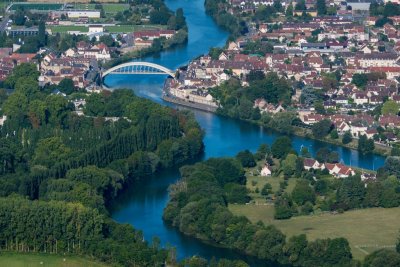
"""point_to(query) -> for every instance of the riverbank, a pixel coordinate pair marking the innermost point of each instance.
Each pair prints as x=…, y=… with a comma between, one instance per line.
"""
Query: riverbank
x=185, y=103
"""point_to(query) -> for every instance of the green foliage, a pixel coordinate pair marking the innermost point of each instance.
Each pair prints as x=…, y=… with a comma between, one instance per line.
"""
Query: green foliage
x=321, y=128
x=361, y=80
x=66, y=86
x=303, y=193
x=383, y=257
x=281, y=147
x=321, y=7
x=283, y=207
x=289, y=164
x=350, y=193
x=390, y=107
x=365, y=145
x=347, y=138
x=246, y=158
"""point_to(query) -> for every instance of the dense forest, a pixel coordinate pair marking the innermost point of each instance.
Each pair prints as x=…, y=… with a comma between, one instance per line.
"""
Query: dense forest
x=59, y=170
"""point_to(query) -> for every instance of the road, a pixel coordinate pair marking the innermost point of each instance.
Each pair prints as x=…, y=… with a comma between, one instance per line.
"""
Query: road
x=3, y=23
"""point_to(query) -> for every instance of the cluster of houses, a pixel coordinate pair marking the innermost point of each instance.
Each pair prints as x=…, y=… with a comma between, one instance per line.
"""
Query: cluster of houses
x=337, y=170
x=9, y=60
x=143, y=39
x=75, y=63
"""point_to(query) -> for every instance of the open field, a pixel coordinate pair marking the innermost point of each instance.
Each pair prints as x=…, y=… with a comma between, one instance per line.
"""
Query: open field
x=367, y=229
x=44, y=260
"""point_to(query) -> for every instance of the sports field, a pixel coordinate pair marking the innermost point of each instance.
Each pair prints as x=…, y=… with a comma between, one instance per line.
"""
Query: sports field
x=108, y=8
x=366, y=229
x=131, y=28
x=44, y=260
x=65, y=29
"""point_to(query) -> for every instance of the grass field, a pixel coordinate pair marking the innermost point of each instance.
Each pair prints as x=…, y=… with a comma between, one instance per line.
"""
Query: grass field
x=44, y=260
x=64, y=29
x=367, y=229
x=131, y=28
x=108, y=8
x=112, y=29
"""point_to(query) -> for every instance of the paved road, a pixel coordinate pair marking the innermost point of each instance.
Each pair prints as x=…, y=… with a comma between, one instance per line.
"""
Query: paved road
x=3, y=23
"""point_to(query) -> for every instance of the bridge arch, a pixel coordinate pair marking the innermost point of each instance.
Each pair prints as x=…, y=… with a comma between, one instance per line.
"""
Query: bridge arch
x=137, y=67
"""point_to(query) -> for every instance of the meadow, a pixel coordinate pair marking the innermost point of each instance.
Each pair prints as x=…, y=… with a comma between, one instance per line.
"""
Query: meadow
x=365, y=229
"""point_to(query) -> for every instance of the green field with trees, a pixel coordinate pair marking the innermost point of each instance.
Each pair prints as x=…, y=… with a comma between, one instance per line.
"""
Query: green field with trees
x=46, y=260
x=366, y=230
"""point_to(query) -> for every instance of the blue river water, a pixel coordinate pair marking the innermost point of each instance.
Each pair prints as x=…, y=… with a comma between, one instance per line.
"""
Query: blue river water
x=142, y=204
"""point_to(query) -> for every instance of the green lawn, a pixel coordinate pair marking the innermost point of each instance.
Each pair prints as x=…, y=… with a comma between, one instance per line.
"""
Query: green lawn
x=367, y=229
x=44, y=260
x=114, y=8
x=108, y=8
x=65, y=29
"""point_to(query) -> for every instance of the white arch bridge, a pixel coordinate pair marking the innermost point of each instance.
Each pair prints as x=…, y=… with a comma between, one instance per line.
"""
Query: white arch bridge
x=137, y=67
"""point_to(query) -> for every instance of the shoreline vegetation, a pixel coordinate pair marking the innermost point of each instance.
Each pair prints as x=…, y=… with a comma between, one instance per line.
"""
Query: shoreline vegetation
x=298, y=131
x=201, y=206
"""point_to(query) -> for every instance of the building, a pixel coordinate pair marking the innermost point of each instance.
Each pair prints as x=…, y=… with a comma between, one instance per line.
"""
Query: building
x=23, y=31
x=266, y=170
x=76, y=14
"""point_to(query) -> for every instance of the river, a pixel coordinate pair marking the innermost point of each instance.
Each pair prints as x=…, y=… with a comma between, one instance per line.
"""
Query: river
x=142, y=204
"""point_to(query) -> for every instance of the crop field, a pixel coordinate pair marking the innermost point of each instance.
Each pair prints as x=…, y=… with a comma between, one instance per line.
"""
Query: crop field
x=44, y=260
x=366, y=229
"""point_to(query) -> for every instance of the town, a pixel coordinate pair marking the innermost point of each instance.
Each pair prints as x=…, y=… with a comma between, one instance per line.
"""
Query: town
x=341, y=62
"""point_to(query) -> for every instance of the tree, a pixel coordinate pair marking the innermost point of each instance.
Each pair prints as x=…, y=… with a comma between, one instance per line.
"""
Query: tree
x=382, y=257
x=304, y=152
x=283, y=207
x=321, y=7
x=334, y=134
x=66, y=86
x=300, y=5
x=365, y=145
x=321, y=128
x=262, y=151
x=282, y=122
x=289, y=164
x=390, y=107
x=49, y=151
x=350, y=193
x=347, y=138
x=281, y=147
x=266, y=190
x=246, y=158
x=42, y=34
x=303, y=193
x=289, y=11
